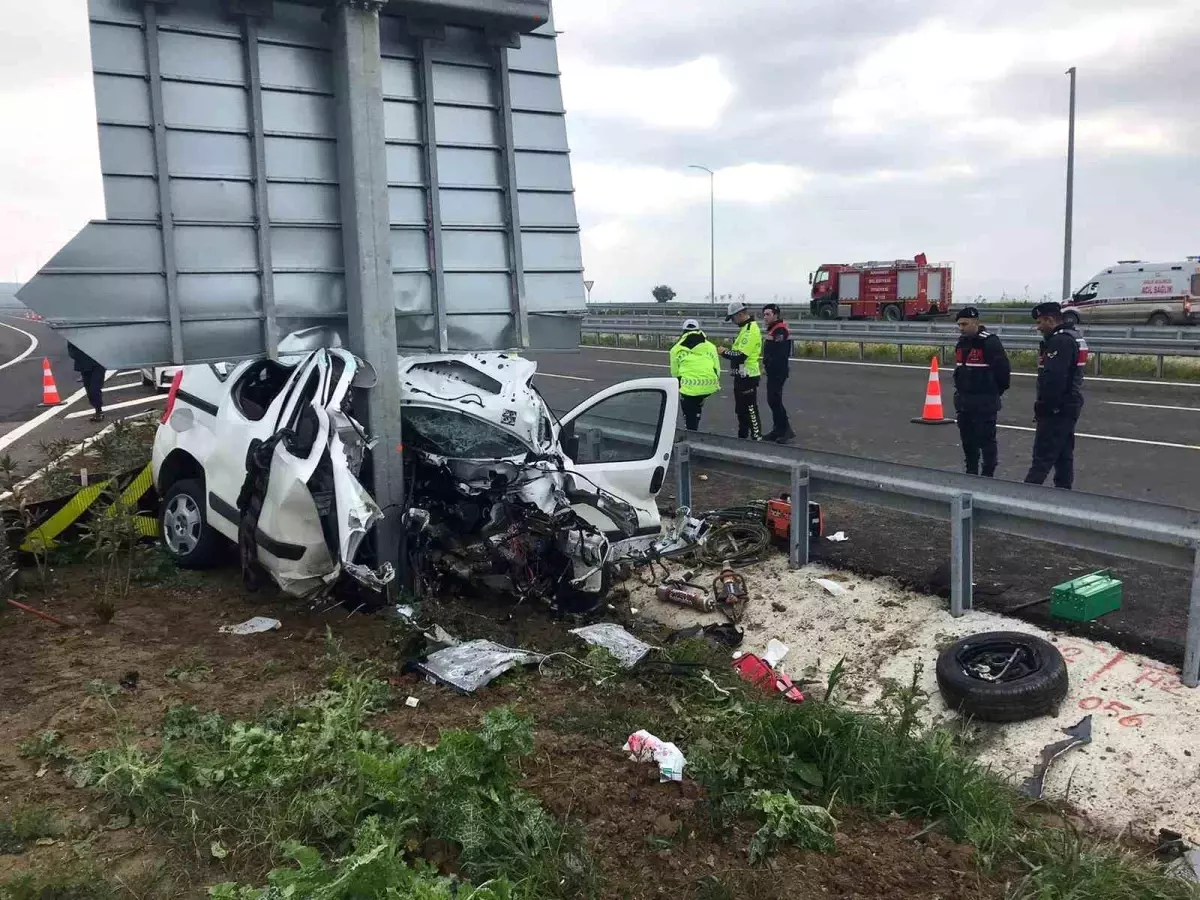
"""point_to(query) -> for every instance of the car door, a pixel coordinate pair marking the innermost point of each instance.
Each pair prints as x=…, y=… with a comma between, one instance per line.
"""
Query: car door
x=620, y=441
x=237, y=425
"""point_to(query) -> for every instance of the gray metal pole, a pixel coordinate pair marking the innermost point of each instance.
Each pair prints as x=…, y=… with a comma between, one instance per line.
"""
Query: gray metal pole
x=712, y=236
x=1066, y=288
x=962, y=554
x=798, y=556
x=366, y=238
x=683, y=475
x=1191, y=648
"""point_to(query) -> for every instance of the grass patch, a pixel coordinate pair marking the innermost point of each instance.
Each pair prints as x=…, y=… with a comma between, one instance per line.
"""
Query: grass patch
x=75, y=882
x=354, y=813
x=26, y=825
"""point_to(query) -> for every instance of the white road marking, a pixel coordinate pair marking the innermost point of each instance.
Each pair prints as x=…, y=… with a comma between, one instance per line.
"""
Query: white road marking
x=1109, y=437
x=33, y=345
x=42, y=418
x=625, y=362
x=140, y=401
x=568, y=377
x=123, y=387
x=925, y=368
x=1152, y=406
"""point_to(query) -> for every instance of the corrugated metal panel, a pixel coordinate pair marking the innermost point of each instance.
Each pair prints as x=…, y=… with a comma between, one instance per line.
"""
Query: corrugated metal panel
x=218, y=145
x=848, y=285
x=934, y=287
x=906, y=285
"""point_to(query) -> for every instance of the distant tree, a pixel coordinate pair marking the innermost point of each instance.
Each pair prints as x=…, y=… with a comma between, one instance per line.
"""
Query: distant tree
x=663, y=293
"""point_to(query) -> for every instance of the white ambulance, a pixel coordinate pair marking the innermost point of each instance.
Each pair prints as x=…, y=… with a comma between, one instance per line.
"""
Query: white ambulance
x=1139, y=293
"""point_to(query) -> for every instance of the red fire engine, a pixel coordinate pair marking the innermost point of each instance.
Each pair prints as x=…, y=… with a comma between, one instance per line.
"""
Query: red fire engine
x=897, y=290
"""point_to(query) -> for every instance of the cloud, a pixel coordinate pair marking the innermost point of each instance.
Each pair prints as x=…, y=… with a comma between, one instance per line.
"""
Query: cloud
x=691, y=95
x=633, y=191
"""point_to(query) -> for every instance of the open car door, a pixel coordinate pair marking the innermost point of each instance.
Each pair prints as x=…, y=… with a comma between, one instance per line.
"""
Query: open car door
x=314, y=512
x=620, y=441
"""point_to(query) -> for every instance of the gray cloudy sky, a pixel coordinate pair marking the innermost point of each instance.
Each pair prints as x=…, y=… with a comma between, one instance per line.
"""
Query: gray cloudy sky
x=839, y=131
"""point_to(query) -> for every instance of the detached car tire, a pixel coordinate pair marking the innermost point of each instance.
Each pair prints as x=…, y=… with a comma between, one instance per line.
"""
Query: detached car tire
x=183, y=521
x=1002, y=676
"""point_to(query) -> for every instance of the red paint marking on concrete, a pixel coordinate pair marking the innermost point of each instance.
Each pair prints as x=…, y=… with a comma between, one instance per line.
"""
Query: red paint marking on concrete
x=1115, y=661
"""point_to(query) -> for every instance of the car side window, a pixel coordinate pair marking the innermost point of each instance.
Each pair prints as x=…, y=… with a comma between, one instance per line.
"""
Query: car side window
x=620, y=428
x=1088, y=291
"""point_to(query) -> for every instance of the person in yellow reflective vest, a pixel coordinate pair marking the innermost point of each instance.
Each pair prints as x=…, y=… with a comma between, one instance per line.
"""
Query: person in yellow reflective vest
x=745, y=358
x=695, y=363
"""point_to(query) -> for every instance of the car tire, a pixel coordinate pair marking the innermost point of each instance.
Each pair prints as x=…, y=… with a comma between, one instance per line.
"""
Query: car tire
x=892, y=314
x=1071, y=319
x=183, y=523
x=827, y=311
x=1160, y=320
x=1034, y=684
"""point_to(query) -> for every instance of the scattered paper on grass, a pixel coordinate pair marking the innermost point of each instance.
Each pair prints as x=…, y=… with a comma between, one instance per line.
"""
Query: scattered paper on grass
x=412, y=702
x=257, y=625
x=645, y=747
x=837, y=537
x=702, y=477
x=627, y=649
x=832, y=586
x=776, y=651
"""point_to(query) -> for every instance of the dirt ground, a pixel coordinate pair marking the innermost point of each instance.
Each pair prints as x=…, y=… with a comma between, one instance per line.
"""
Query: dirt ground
x=648, y=839
x=1013, y=575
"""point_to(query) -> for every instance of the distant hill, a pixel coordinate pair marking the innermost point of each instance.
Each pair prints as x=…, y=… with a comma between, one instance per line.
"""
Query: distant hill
x=8, y=296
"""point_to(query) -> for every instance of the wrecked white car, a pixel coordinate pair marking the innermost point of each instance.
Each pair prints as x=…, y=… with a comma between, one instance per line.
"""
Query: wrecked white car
x=501, y=494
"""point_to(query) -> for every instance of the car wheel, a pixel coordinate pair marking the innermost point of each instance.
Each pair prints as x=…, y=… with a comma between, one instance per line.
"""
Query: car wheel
x=184, y=526
x=827, y=311
x=1002, y=676
x=1071, y=319
x=1160, y=319
x=892, y=313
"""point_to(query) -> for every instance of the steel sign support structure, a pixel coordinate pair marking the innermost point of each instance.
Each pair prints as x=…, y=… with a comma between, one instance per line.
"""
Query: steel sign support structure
x=366, y=239
x=516, y=261
x=166, y=224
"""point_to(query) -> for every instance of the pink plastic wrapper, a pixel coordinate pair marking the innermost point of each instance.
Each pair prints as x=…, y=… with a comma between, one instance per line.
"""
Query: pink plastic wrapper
x=642, y=746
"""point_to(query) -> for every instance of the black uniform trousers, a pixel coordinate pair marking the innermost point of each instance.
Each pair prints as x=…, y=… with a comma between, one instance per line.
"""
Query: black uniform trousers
x=978, y=432
x=779, y=416
x=93, y=385
x=1054, y=448
x=745, y=402
x=691, y=408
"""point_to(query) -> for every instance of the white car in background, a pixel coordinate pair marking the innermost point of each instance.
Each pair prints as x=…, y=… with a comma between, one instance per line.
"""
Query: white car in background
x=1139, y=293
x=500, y=493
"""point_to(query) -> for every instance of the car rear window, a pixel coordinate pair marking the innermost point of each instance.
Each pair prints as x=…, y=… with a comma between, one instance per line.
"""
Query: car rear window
x=457, y=436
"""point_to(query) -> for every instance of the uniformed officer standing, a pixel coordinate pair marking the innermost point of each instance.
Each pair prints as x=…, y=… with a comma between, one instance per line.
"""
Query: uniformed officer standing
x=745, y=359
x=694, y=362
x=1061, y=358
x=981, y=376
x=777, y=354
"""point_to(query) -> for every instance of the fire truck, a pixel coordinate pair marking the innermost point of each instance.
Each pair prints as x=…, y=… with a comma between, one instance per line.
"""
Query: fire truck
x=896, y=290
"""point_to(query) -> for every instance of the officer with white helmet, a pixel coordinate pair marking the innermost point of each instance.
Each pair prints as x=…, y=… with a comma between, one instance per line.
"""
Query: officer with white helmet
x=695, y=363
x=745, y=358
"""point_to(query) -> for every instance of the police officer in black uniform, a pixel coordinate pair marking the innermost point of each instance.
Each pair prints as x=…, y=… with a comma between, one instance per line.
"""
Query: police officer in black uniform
x=981, y=375
x=1061, y=358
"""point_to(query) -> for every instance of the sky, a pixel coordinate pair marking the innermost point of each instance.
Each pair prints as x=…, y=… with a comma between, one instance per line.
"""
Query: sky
x=838, y=132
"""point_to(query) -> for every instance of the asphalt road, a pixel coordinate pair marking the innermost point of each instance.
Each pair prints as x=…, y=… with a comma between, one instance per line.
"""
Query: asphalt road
x=1138, y=439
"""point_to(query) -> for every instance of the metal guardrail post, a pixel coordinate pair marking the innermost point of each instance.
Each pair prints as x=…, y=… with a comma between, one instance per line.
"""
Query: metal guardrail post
x=683, y=475
x=862, y=350
x=900, y=353
x=799, y=525
x=962, y=554
x=1191, y=649
x=1158, y=366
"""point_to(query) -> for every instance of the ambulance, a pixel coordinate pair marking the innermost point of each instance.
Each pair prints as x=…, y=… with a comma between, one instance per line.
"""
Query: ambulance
x=1139, y=293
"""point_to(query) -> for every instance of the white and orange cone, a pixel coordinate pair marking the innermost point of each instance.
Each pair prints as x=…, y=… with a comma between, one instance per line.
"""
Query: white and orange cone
x=933, y=413
x=49, y=388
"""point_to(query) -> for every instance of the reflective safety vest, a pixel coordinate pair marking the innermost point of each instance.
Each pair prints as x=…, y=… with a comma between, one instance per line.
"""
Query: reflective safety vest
x=749, y=345
x=697, y=367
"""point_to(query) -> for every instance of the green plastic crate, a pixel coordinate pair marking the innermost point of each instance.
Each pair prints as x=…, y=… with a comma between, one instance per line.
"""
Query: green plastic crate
x=1086, y=598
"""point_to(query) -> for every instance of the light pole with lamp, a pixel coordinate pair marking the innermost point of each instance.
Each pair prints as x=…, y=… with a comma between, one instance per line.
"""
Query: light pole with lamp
x=712, y=232
x=1066, y=288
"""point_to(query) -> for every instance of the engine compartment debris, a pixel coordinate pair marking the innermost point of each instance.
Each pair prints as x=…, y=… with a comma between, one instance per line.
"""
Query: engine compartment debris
x=1077, y=735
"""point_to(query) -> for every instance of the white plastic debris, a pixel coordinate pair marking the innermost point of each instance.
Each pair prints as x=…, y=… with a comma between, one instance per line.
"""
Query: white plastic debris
x=470, y=666
x=627, y=649
x=832, y=586
x=257, y=625
x=776, y=651
x=837, y=537
x=440, y=635
x=412, y=702
x=642, y=746
x=702, y=477
x=404, y=611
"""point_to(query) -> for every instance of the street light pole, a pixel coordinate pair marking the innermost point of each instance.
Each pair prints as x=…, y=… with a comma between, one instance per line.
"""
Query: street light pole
x=712, y=232
x=1066, y=287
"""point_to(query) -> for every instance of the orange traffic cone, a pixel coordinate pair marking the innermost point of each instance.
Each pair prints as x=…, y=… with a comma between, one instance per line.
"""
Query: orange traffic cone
x=49, y=388
x=933, y=414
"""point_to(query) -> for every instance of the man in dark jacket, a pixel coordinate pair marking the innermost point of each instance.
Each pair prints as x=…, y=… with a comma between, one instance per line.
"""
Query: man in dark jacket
x=777, y=352
x=1061, y=359
x=92, y=375
x=981, y=376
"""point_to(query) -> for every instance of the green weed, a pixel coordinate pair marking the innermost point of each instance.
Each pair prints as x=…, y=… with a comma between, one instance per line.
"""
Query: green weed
x=190, y=672
x=24, y=826
x=315, y=776
x=72, y=882
x=46, y=745
x=98, y=687
x=788, y=820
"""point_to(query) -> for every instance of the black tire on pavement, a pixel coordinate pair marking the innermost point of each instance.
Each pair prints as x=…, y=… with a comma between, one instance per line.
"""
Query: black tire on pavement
x=826, y=311
x=183, y=523
x=1002, y=676
x=893, y=313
